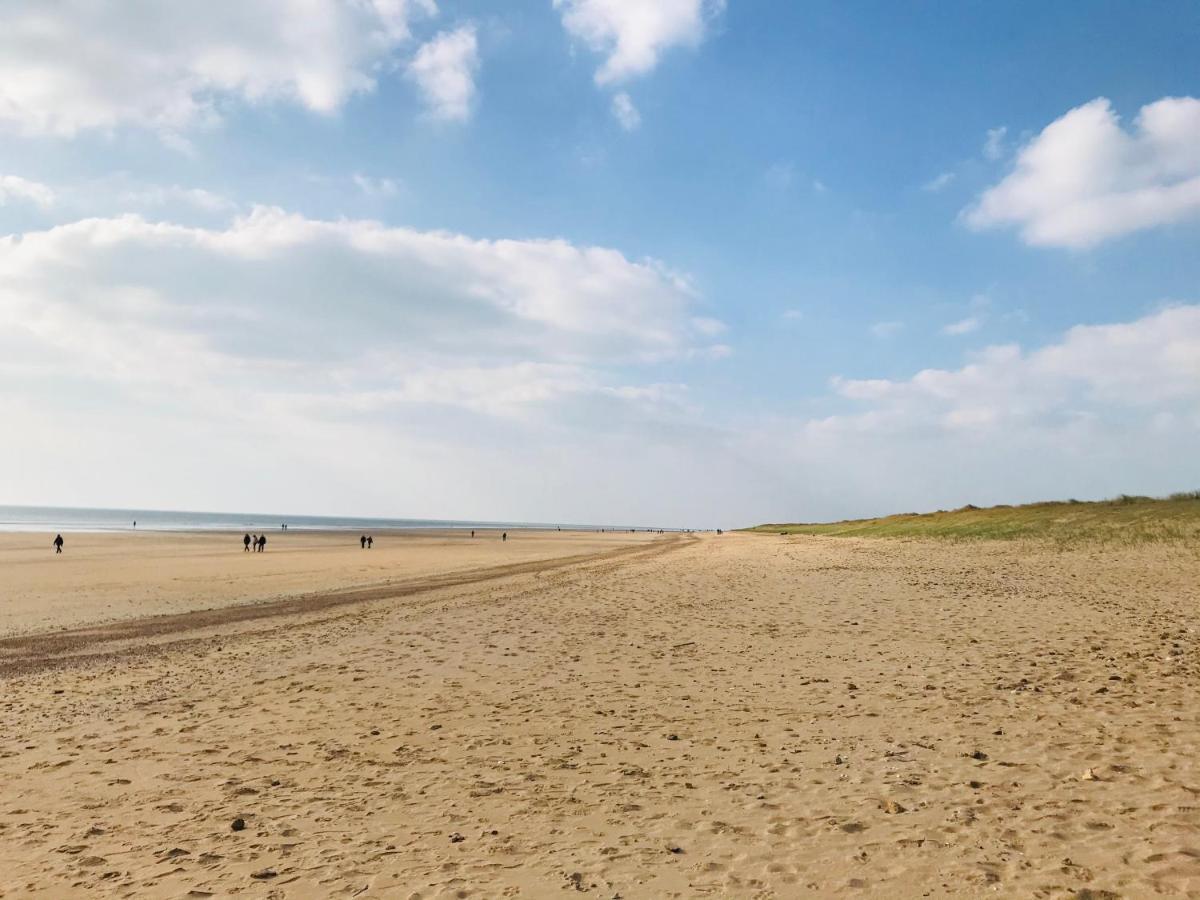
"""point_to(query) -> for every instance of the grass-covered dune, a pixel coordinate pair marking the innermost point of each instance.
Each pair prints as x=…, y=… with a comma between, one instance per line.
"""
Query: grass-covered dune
x=1124, y=519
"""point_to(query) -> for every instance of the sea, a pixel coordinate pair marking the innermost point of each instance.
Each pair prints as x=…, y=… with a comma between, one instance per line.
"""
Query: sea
x=57, y=518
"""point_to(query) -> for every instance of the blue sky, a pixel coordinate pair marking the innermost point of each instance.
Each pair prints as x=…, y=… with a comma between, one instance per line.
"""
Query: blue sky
x=598, y=260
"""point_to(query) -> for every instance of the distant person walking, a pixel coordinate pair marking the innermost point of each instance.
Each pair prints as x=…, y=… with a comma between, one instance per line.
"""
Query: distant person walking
x=246, y=543
x=262, y=543
x=363, y=542
x=58, y=542
x=472, y=532
x=370, y=541
x=504, y=536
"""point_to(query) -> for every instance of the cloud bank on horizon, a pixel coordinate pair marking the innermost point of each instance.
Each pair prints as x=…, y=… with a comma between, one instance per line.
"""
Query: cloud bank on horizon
x=451, y=337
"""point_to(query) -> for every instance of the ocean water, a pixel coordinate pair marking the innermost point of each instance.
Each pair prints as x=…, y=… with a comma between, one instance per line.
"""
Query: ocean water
x=54, y=519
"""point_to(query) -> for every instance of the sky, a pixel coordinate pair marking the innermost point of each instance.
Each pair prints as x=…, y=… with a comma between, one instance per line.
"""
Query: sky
x=696, y=263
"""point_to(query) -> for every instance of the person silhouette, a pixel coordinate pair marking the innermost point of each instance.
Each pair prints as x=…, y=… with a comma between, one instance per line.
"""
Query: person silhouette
x=246, y=543
x=58, y=543
x=262, y=543
x=504, y=537
x=370, y=541
x=472, y=532
x=363, y=542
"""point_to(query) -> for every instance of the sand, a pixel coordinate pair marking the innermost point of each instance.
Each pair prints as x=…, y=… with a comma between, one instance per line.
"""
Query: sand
x=112, y=577
x=733, y=716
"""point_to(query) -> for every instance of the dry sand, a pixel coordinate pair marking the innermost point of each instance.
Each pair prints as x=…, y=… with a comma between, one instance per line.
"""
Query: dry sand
x=109, y=577
x=734, y=716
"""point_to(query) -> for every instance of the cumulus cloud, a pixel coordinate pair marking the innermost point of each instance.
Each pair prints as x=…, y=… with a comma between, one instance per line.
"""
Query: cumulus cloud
x=1104, y=409
x=367, y=368
x=77, y=65
x=1095, y=371
x=302, y=304
x=633, y=35
x=1086, y=179
x=14, y=187
x=625, y=112
x=444, y=70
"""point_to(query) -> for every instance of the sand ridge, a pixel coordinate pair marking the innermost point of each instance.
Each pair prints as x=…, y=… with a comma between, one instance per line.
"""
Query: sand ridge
x=743, y=716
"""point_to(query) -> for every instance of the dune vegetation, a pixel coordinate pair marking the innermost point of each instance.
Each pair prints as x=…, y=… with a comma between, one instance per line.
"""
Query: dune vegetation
x=1125, y=519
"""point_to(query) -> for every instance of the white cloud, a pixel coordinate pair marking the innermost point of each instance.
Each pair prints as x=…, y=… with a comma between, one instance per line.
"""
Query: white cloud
x=633, y=34
x=14, y=187
x=625, y=112
x=936, y=184
x=963, y=326
x=380, y=370
x=78, y=65
x=1103, y=410
x=1147, y=364
x=993, y=147
x=338, y=307
x=444, y=69
x=793, y=314
x=1085, y=179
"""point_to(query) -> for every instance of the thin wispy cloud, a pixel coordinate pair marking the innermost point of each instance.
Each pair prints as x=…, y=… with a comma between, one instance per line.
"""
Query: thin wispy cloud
x=886, y=329
x=963, y=326
x=994, y=147
x=14, y=188
x=936, y=184
x=625, y=112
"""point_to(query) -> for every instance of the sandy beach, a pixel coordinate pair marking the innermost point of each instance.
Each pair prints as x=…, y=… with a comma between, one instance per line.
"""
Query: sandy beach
x=614, y=715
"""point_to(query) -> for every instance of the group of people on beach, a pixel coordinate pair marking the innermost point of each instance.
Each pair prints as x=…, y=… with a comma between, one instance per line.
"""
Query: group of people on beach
x=258, y=542
x=366, y=541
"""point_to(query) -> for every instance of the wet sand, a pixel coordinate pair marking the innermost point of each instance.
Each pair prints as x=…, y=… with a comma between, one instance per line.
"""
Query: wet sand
x=734, y=716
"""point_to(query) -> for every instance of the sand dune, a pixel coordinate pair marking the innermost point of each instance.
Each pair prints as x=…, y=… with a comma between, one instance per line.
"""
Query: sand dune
x=734, y=716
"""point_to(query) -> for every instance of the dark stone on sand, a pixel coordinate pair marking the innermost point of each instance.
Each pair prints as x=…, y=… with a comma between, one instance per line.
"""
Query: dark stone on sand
x=238, y=824
x=456, y=838
x=978, y=754
x=263, y=874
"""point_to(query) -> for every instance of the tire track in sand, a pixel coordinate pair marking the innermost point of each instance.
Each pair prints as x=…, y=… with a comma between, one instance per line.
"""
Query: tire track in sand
x=29, y=654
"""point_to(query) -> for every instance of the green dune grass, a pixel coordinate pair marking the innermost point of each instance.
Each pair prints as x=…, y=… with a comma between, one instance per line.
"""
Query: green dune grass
x=1124, y=520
